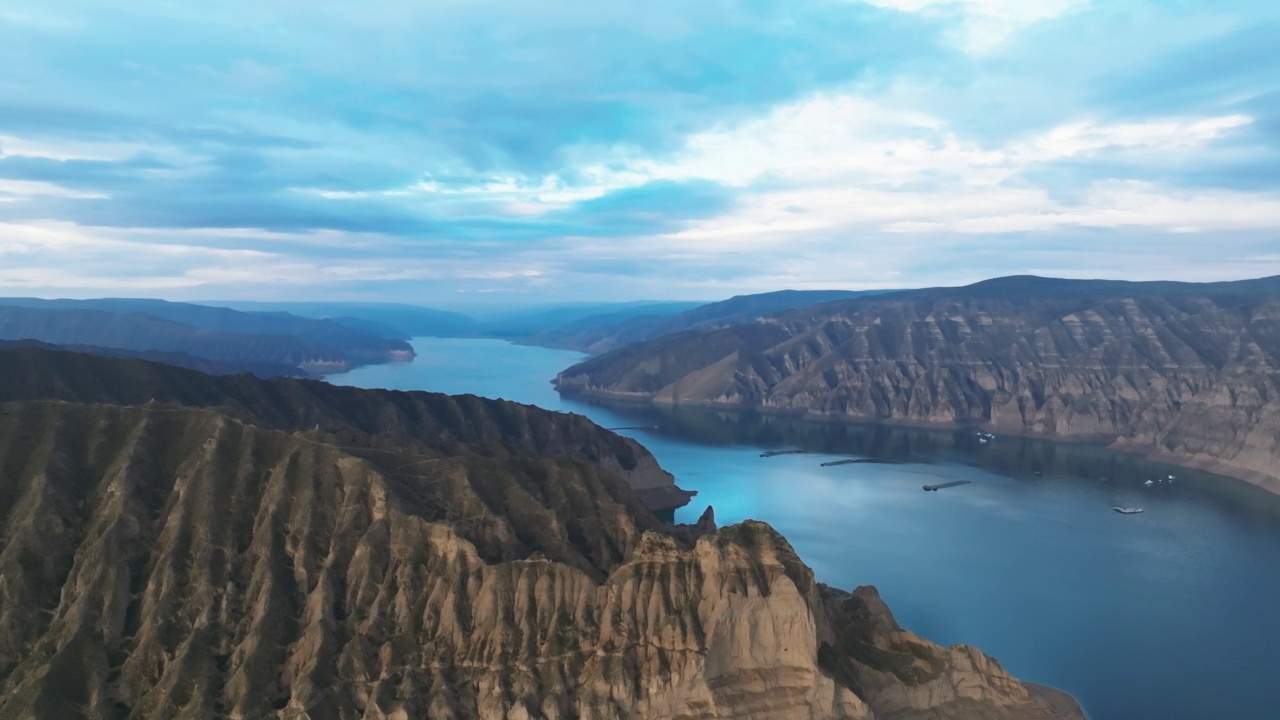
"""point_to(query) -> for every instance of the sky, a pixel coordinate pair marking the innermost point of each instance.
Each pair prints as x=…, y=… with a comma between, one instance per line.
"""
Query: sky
x=462, y=153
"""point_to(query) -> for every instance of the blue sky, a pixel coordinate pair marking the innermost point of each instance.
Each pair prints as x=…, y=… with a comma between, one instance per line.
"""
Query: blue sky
x=462, y=153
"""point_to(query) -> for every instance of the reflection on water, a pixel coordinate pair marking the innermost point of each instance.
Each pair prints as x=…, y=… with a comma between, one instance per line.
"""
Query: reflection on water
x=1031, y=459
x=1166, y=615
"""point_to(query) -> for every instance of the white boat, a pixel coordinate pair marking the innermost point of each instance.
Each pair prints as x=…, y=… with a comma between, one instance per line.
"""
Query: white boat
x=1127, y=510
x=1149, y=482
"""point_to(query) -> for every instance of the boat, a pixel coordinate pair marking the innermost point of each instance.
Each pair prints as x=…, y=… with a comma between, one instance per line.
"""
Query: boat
x=775, y=453
x=1127, y=510
x=1149, y=482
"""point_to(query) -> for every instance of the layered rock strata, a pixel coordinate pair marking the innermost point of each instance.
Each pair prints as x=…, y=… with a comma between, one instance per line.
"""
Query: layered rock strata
x=167, y=561
x=1191, y=378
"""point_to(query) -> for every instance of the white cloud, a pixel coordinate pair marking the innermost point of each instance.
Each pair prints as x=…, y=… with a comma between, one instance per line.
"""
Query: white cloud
x=831, y=137
x=1084, y=138
x=15, y=190
x=839, y=161
x=986, y=23
x=11, y=146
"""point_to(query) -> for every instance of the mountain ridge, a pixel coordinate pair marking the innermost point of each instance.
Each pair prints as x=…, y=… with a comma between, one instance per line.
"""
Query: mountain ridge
x=599, y=334
x=1189, y=374
x=179, y=560
x=215, y=334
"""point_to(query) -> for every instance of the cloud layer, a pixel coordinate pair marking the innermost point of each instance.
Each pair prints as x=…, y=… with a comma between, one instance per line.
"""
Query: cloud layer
x=455, y=152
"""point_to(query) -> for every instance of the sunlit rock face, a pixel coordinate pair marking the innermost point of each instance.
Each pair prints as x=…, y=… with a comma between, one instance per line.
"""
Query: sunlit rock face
x=167, y=561
x=1188, y=377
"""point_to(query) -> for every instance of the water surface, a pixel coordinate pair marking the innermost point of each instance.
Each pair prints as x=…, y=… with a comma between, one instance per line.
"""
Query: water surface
x=1167, y=615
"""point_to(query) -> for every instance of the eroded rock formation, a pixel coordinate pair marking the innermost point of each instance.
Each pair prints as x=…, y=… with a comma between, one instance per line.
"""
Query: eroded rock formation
x=1188, y=376
x=169, y=561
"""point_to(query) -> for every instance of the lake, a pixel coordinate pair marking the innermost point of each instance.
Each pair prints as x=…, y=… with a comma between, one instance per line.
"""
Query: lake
x=1166, y=615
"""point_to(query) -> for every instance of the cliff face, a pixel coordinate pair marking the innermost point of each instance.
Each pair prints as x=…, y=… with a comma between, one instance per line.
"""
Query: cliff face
x=1190, y=377
x=175, y=561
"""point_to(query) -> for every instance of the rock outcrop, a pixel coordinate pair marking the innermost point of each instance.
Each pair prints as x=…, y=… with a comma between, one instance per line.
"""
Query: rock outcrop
x=1190, y=374
x=169, y=561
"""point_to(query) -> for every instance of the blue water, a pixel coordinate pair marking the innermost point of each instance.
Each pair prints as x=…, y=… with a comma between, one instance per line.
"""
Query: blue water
x=1167, y=615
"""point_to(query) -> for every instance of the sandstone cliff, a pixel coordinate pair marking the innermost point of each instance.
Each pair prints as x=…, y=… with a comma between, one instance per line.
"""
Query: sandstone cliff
x=1189, y=373
x=169, y=561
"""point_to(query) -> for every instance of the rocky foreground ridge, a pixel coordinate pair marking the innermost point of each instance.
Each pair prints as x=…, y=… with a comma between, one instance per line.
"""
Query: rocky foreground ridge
x=189, y=559
x=1187, y=372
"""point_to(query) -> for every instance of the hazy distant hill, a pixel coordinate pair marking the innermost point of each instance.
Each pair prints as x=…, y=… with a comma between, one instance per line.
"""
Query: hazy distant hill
x=601, y=333
x=356, y=345
x=1187, y=370
x=383, y=319
x=330, y=348
x=520, y=325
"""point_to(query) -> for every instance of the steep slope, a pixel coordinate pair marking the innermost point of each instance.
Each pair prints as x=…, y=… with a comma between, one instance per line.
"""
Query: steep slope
x=210, y=332
x=424, y=423
x=602, y=333
x=171, y=562
x=1190, y=376
x=183, y=360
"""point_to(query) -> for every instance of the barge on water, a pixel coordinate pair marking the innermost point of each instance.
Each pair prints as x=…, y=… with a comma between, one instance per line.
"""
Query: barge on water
x=846, y=461
x=771, y=453
x=953, y=483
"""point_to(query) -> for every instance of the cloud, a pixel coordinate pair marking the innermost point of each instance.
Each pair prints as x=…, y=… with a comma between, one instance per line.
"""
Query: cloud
x=577, y=149
x=20, y=190
x=986, y=23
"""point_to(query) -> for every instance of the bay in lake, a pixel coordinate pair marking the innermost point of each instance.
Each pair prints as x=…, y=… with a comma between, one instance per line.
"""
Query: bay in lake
x=1167, y=615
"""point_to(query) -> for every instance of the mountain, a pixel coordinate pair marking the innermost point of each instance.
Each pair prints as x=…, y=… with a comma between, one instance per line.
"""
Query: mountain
x=216, y=334
x=522, y=324
x=600, y=333
x=183, y=360
x=383, y=319
x=358, y=346
x=1186, y=372
x=424, y=423
x=415, y=556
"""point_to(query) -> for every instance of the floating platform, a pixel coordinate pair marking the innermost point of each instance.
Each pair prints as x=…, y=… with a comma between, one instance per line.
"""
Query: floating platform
x=850, y=461
x=953, y=483
x=771, y=453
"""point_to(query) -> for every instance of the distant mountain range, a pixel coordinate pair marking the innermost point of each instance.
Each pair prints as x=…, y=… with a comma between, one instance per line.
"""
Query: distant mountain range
x=253, y=341
x=1185, y=371
x=300, y=338
x=600, y=333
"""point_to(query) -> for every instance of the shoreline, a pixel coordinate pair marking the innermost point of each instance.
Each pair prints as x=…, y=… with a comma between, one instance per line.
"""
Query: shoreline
x=1245, y=476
